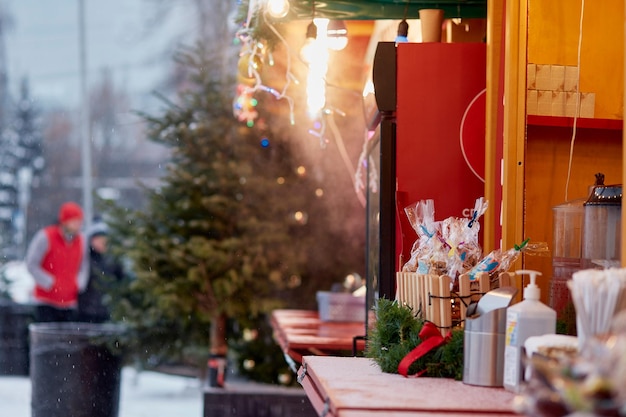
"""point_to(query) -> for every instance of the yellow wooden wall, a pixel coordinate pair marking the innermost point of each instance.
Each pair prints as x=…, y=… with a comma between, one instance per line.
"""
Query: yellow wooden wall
x=547, y=157
x=552, y=38
x=553, y=29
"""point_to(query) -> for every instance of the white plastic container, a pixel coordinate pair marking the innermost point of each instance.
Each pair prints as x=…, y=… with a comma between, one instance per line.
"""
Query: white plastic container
x=525, y=319
x=340, y=306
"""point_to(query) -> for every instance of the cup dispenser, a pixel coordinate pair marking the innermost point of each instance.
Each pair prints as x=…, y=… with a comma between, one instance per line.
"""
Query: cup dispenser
x=586, y=234
x=602, y=224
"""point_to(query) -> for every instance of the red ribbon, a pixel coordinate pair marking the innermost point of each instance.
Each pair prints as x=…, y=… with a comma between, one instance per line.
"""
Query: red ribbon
x=431, y=338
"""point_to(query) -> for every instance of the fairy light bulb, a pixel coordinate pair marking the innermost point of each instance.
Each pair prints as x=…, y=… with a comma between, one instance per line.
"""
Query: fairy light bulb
x=337, y=34
x=307, y=52
x=318, y=67
x=278, y=8
x=403, y=31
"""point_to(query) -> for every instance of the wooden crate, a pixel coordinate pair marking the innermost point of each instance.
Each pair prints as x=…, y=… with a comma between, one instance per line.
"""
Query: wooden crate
x=433, y=298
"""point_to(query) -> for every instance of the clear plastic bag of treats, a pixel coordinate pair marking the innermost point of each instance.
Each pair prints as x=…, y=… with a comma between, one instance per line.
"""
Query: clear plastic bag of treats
x=461, y=238
x=448, y=247
x=426, y=253
x=498, y=260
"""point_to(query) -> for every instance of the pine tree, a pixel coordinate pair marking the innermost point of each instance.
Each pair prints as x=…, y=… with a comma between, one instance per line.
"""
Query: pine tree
x=217, y=243
x=20, y=164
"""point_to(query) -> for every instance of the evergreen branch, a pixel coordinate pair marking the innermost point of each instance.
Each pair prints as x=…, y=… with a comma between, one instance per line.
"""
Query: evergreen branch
x=396, y=333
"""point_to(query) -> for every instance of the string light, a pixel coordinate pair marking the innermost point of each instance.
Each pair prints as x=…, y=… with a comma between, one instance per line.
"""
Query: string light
x=251, y=59
x=337, y=34
x=277, y=8
x=244, y=105
x=308, y=49
x=321, y=36
x=403, y=27
x=403, y=32
x=318, y=67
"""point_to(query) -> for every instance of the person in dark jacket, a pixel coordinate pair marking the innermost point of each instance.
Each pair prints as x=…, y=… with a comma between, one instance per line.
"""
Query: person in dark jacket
x=103, y=273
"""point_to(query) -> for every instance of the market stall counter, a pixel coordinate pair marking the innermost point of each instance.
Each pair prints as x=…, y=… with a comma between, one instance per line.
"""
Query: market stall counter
x=350, y=387
x=302, y=332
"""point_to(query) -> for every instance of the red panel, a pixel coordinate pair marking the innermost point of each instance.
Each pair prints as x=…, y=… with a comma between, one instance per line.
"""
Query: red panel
x=440, y=130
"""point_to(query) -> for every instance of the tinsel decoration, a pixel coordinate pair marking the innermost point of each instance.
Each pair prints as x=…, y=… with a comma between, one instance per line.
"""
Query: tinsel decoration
x=395, y=334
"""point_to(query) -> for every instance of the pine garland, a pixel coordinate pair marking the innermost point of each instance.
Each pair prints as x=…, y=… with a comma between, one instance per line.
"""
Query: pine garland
x=395, y=334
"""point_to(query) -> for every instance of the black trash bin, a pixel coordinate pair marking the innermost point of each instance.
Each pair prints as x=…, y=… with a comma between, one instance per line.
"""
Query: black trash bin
x=14, y=346
x=75, y=370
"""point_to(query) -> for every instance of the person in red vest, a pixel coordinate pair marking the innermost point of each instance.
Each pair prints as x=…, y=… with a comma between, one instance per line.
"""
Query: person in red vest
x=56, y=258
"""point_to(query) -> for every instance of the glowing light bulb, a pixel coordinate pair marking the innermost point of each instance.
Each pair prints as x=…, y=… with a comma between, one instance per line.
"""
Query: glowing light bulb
x=308, y=50
x=337, y=35
x=403, y=32
x=278, y=8
x=318, y=67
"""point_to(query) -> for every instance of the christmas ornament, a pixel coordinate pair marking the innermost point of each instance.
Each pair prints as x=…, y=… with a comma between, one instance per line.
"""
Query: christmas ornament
x=250, y=64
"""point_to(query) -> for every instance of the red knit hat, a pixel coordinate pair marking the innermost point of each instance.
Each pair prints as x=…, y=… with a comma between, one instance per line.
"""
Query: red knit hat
x=70, y=211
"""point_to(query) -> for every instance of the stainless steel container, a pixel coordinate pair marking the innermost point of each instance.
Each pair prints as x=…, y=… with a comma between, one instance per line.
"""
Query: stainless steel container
x=602, y=225
x=484, y=337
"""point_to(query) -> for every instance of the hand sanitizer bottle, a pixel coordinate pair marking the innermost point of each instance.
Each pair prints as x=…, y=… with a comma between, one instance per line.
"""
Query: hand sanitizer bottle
x=527, y=318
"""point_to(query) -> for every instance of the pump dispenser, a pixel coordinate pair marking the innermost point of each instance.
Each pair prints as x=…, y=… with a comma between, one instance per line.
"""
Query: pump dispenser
x=532, y=291
x=527, y=318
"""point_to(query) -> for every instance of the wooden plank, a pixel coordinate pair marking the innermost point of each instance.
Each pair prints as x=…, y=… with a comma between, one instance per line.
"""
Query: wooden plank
x=406, y=289
x=464, y=292
x=358, y=384
x=435, y=300
x=423, y=294
x=413, y=288
x=514, y=123
x=393, y=413
x=591, y=123
x=506, y=280
x=483, y=283
x=300, y=332
x=311, y=388
x=445, y=305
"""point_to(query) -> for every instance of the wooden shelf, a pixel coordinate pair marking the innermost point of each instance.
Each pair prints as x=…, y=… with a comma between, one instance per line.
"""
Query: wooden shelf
x=610, y=124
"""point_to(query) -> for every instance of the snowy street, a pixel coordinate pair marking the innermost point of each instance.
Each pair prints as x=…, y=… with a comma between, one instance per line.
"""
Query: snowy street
x=143, y=394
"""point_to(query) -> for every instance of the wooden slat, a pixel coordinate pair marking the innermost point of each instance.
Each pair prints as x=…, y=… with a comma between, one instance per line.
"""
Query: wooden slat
x=445, y=306
x=506, y=279
x=464, y=292
x=435, y=302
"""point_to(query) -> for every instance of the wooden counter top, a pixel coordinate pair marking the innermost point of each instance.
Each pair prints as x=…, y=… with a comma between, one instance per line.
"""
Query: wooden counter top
x=301, y=332
x=351, y=387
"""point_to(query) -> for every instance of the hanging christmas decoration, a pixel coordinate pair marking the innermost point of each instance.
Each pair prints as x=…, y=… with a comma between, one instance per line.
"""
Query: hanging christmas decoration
x=244, y=105
x=250, y=64
x=258, y=37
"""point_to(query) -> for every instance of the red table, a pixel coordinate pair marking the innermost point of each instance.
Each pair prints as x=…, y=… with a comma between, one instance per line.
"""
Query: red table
x=301, y=332
x=351, y=387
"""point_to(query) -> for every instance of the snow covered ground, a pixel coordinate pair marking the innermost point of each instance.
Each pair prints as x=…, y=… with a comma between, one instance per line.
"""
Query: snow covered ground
x=142, y=394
